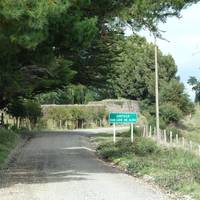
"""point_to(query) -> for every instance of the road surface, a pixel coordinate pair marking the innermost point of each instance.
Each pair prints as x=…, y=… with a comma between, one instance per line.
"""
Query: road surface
x=63, y=166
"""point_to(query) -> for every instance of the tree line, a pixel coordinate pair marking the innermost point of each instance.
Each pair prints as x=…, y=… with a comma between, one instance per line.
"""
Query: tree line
x=80, y=45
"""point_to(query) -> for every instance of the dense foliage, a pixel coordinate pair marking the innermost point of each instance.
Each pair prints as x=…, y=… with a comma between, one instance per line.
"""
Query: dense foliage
x=134, y=78
x=47, y=44
x=25, y=109
x=193, y=81
x=72, y=94
x=70, y=117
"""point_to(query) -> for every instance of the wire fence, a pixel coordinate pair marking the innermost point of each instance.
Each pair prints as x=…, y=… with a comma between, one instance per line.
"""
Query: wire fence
x=169, y=139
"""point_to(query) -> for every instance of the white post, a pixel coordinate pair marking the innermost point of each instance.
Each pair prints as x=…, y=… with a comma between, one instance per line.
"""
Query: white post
x=183, y=141
x=147, y=131
x=171, y=139
x=176, y=138
x=144, y=130
x=150, y=131
x=165, y=136
x=190, y=145
x=199, y=150
x=132, y=133
x=114, y=133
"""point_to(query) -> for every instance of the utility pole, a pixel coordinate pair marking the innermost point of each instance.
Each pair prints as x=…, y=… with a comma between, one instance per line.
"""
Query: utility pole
x=156, y=90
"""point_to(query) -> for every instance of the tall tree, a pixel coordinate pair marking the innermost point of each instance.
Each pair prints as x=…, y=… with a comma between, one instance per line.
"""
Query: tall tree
x=45, y=43
x=193, y=81
x=134, y=78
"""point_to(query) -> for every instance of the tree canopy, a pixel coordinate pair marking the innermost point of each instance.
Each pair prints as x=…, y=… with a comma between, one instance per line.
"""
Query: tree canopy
x=195, y=83
x=48, y=44
x=133, y=77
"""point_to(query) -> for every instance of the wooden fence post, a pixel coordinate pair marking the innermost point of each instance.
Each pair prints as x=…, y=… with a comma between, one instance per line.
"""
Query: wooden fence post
x=177, y=139
x=60, y=123
x=165, y=136
x=147, y=131
x=199, y=149
x=183, y=141
x=150, y=131
x=190, y=143
x=144, y=130
x=171, y=137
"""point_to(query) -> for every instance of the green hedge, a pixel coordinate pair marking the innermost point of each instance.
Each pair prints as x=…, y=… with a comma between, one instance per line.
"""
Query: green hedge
x=69, y=117
x=8, y=140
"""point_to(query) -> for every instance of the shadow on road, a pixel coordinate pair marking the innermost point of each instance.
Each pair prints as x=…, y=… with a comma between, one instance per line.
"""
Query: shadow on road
x=53, y=158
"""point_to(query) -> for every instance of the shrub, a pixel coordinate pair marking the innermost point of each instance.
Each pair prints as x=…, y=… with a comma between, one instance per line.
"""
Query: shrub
x=141, y=147
x=144, y=146
x=135, y=166
x=33, y=111
x=76, y=115
x=7, y=136
x=108, y=151
x=170, y=113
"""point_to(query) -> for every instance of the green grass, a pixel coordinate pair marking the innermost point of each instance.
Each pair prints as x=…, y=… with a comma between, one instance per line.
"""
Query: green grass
x=191, y=127
x=173, y=169
x=8, y=140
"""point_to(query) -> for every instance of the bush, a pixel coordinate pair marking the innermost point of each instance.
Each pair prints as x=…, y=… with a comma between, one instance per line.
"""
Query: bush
x=33, y=111
x=25, y=109
x=170, y=113
x=144, y=146
x=77, y=116
x=135, y=166
x=141, y=147
x=7, y=136
x=8, y=140
x=136, y=131
x=108, y=151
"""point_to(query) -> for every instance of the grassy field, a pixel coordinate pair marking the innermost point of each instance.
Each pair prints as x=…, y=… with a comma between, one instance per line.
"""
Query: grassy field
x=8, y=140
x=190, y=127
x=172, y=169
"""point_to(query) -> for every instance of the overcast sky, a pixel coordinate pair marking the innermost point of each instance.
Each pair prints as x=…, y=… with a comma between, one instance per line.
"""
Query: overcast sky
x=184, y=45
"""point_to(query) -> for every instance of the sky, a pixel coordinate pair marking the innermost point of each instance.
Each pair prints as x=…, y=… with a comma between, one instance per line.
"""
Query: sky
x=184, y=43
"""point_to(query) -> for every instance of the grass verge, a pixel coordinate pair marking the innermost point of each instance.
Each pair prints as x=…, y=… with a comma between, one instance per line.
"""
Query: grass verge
x=8, y=140
x=173, y=169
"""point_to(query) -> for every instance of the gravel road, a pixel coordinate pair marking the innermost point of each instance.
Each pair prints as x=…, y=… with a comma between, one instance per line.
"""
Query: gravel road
x=63, y=166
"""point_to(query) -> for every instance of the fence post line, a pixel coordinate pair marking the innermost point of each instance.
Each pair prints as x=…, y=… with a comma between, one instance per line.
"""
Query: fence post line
x=171, y=139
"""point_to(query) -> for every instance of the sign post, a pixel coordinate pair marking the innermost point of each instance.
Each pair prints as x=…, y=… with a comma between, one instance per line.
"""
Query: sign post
x=122, y=118
x=114, y=133
x=132, y=133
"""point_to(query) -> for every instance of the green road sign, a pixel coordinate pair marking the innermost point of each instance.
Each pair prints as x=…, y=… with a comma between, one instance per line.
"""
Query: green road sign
x=123, y=118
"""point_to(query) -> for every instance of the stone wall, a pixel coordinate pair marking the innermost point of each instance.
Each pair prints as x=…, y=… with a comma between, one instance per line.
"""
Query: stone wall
x=118, y=105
